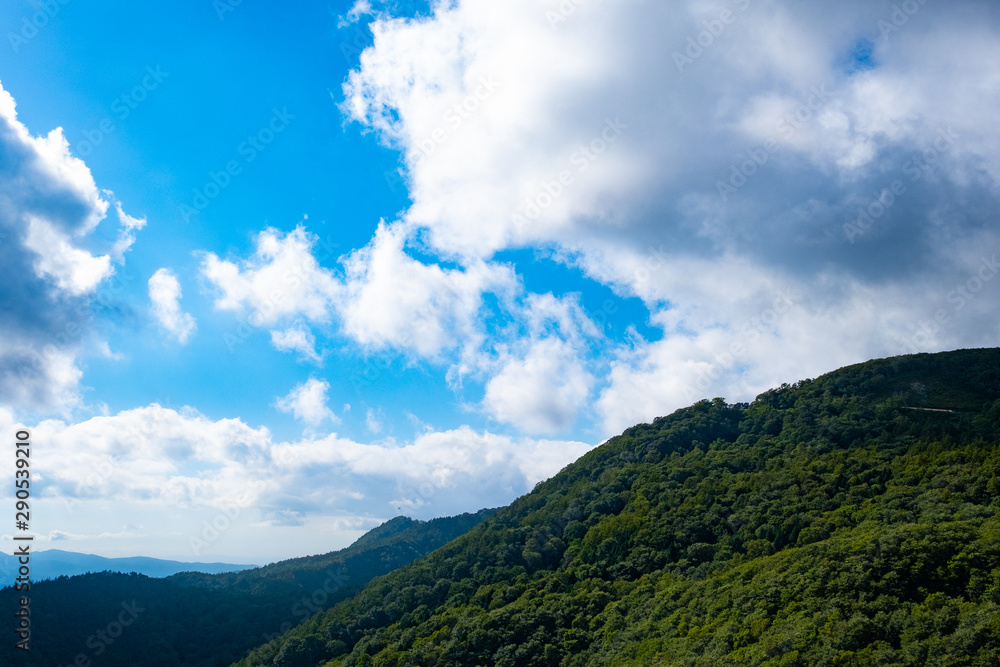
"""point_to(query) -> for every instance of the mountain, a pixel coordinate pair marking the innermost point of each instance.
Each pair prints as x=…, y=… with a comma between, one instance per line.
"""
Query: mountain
x=202, y=620
x=853, y=519
x=383, y=549
x=53, y=563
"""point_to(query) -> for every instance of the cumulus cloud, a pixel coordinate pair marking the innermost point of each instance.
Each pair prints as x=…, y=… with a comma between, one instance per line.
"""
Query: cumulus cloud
x=49, y=208
x=550, y=114
x=705, y=162
x=144, y=454
x=283, y=279
x=836, y=149
x=737, y=329
x=384, y=298
x=165, y=294
x=308, y=402
x=393, y=299
x=546, y=314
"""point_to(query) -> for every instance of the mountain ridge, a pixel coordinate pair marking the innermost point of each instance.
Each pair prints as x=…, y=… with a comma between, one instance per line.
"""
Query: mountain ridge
x=827, y=522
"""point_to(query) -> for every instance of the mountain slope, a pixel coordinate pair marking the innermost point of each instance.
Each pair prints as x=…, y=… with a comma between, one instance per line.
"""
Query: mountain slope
x=382, y=549
x=197, y=619
x=849, y=520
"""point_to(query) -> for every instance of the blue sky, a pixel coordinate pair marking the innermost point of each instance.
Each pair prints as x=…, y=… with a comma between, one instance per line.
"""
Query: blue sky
x=297, y=271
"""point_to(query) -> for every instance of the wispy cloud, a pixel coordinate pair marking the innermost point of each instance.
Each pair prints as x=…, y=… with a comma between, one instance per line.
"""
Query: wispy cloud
x=296, y=339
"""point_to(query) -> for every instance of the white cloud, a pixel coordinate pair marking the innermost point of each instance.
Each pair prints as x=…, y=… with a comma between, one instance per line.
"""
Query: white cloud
x=165, y=293
x=6, y=420
x=438, y=467
x=296, y=339
x=359, y=9
x=49, y=208
x=476, y=90
x=48, y=162
x=546, y=314
x=146, y=455
x=540, y=392
x=559, y=84
x=74, y=271
x=585, y=136
x=281, y=280
x=38, y=377
x=392, y=299
x=772, y=328
x=154, y=461
x=308, y=402
x=590, y=141
x=385, y=299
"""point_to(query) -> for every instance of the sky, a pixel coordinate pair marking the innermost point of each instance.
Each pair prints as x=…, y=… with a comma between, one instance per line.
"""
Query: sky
x=270, y=275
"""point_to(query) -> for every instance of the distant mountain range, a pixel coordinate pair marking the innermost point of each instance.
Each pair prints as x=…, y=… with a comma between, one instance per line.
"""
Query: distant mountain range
x=53, y=563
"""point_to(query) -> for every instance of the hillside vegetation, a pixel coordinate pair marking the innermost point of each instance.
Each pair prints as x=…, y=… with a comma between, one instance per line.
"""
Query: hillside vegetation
x=382, y=549
x=853, y=519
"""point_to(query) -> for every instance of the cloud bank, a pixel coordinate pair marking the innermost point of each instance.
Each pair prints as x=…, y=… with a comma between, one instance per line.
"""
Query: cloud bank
x=156, y=457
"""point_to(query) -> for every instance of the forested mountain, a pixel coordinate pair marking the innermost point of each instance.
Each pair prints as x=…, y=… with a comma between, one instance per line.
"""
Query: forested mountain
x=382, y=549
x=853, y=519
x=196, y=619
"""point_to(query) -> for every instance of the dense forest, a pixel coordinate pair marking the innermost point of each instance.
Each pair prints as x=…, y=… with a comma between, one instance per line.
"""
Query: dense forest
x=203, y=620
x=853, y=519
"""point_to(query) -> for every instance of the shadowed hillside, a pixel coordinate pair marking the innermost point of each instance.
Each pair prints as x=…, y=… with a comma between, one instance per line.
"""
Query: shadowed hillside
x=131, y=620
